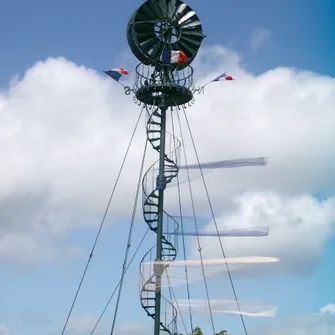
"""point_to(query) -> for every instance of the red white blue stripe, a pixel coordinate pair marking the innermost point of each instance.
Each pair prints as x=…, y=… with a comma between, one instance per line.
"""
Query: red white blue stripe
x=173, y=57
x=116, y=73
x=223, y=76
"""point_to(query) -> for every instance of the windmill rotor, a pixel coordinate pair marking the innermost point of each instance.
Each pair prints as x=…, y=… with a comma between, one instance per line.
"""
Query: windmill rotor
x=162, y=24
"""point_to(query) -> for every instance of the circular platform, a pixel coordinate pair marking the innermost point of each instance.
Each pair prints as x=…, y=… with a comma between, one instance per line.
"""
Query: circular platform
x=172, y=95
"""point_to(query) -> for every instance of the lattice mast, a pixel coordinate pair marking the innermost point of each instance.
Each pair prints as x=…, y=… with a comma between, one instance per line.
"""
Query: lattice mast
x=156, y=31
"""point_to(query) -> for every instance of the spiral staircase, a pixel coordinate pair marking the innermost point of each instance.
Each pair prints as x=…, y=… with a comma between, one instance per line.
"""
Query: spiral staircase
x=150, y=214
x=157, y=26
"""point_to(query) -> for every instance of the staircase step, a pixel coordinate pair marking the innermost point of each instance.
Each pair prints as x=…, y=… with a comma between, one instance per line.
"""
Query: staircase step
x=150, y=221
x=149, y=212
x=156, y=113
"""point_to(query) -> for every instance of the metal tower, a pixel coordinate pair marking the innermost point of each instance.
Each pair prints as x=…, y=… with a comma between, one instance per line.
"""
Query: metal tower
x=155, y=28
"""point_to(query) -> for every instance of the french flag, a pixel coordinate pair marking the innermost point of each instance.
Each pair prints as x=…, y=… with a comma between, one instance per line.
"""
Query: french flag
x=223, y=77
x=116, y=73
x=173, y=57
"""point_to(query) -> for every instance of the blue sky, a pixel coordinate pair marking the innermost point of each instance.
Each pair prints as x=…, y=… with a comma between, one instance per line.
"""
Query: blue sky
x=93, y=35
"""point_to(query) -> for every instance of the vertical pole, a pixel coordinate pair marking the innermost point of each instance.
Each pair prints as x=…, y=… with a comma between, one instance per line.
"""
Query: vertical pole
x=161, y=184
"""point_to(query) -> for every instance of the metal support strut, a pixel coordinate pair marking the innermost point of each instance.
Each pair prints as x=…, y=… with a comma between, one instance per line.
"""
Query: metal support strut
x=161, y=185
x=156, y=31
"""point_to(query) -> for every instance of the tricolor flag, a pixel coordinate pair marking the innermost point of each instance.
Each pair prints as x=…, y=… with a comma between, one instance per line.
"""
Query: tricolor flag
x=173, y=57
x=223, y=77
x=116, y=73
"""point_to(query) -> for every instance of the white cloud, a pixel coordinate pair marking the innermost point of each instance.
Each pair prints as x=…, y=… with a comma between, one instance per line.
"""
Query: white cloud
x=64, y=130
x=328, y=309
x=63, y=133
x=4, y=330
x=317, y=323
x=305, y=325
x=299, y=229
x=258, y=38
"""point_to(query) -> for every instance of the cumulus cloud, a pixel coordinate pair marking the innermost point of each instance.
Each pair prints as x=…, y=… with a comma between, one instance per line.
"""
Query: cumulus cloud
x=270, y=115
x=328, y=310
x=64, y=129
x=63, y=133
x=258, y=38
x=4, y=330
x=318, y=323
x=300, y=227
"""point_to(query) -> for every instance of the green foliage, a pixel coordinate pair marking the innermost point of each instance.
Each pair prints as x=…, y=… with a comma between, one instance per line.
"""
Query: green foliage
x=198, y=331
x=222, y=332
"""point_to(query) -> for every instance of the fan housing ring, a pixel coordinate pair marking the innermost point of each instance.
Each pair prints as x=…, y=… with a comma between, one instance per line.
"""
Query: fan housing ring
x=164, y=24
